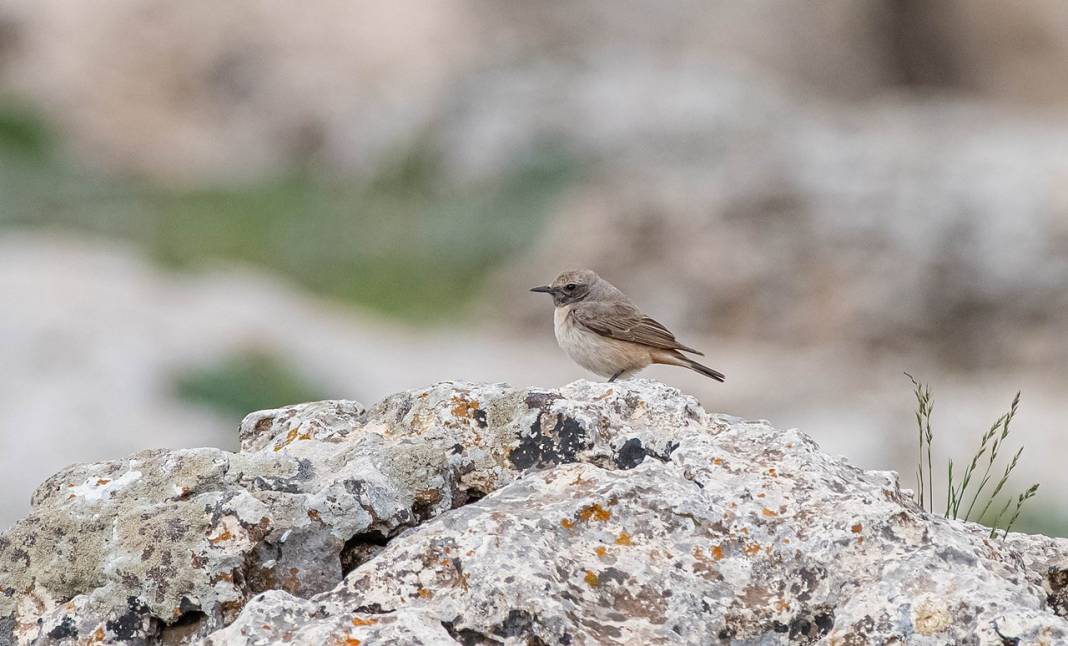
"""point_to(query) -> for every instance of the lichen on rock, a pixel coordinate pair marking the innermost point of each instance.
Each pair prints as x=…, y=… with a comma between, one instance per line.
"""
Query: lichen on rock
x=471, y=513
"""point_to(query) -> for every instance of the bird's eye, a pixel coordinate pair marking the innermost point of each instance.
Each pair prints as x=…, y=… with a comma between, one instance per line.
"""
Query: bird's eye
x=570, y=287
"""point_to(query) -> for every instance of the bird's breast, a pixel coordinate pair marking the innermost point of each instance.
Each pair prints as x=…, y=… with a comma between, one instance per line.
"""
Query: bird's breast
x=598, y=354
x=567, y=332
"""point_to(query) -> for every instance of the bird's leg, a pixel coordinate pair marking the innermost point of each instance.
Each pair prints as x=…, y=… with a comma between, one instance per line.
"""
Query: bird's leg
x=615, y=376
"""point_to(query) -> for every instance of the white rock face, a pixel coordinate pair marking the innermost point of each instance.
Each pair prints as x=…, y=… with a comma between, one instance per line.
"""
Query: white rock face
x=466, y=513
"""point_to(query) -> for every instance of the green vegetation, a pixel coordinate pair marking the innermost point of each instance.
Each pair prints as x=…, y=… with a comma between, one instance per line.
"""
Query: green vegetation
x=971, y=485
x=1046, y=520
x=408, y=242
x=22, y=134
x=244, y=383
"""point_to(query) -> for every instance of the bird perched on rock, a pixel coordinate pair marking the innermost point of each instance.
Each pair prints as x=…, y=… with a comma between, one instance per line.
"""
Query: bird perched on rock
x=602, y=331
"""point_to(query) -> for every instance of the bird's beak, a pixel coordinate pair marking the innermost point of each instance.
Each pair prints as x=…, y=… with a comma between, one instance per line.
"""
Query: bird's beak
x=543, y=288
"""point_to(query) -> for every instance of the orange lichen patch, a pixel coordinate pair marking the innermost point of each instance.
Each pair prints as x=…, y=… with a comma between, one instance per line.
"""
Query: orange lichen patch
x=97, y=636
x=717, y=552
x=857, y=528
x=752, y=549
x=102, y=481
x=770, y=513
x=772, y=472
x=463, y=407
x=717, y=461
x=566, y=523
x=425, y=593
x=781, y=605
x=293, y=435
x=591, y=579
x=352, y=641
x=364, y=622
x=596, y=512
x=623, y=539
x=224, y=536
x=600, y=551
x=313, y=514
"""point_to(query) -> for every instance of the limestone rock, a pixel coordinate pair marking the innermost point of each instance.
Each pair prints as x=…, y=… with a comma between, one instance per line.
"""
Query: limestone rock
x=592, y=513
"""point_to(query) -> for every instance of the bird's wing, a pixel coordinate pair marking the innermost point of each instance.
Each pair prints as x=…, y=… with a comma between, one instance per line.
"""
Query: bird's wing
x=625, y=322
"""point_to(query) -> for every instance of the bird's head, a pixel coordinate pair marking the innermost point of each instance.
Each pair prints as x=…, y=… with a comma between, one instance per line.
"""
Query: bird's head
x=571, y=286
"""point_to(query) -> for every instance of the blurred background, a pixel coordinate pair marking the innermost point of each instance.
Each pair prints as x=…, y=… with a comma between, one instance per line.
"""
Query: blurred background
x=208, y=208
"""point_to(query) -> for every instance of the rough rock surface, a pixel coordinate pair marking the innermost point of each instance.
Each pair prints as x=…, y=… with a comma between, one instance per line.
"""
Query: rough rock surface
x=594, y=513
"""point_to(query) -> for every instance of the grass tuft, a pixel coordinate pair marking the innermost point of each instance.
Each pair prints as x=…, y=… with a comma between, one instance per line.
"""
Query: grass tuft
x=1020, y=500
x=970, y=485
x=924, y=408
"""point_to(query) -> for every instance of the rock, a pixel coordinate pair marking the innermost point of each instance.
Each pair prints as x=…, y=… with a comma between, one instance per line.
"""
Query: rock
x=118, y=327
x=252, y=89
x=165, y=538
x=592, y=513
x=240, y=91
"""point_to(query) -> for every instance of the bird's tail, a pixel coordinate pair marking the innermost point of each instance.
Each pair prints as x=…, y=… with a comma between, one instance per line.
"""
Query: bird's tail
x=676, y=358
x=705, y=370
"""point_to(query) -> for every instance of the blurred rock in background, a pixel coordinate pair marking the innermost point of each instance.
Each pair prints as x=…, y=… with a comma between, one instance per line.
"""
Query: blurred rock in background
x=819, y=195
x=202, y=92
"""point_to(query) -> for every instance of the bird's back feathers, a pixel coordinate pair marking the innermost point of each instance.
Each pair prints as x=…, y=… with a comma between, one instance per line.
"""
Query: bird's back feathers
x=623, y=321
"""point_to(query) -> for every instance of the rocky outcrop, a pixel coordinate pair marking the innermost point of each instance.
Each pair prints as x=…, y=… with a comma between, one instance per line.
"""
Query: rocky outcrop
x=465, y=513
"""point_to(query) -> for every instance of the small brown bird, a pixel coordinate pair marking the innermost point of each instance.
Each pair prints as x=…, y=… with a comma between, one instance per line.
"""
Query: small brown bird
x=602, y=331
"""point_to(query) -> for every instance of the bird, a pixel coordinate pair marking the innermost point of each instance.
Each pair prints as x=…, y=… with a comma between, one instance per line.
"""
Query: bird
x=600, y=329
